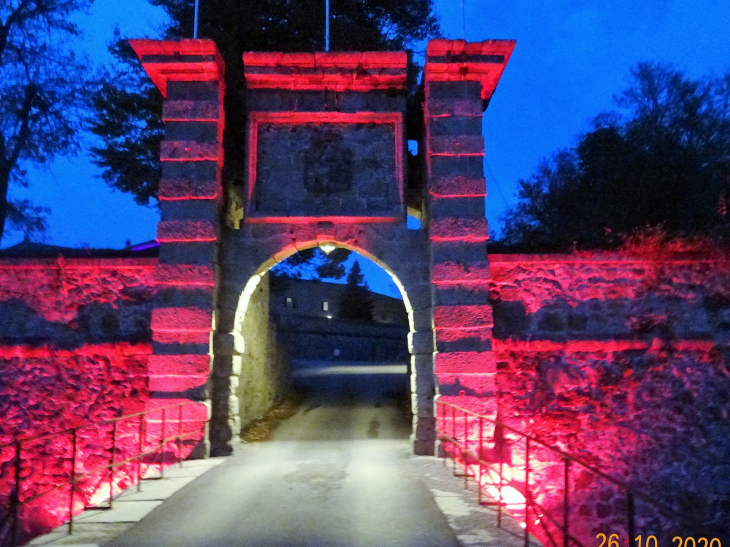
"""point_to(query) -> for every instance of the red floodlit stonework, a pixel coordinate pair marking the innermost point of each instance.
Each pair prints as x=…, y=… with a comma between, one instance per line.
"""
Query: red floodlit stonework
x=354, y=71
x=74, y=349
x=603, y=354
x=186, y=60
x=617, y=359
x=460, y=61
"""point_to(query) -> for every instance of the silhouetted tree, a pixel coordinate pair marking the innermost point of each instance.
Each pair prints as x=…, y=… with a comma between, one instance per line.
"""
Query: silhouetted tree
x=130, y=152
x=41, y=97
x=355, y=302
x=127, y=116
x=308, y=264
x=663, y=159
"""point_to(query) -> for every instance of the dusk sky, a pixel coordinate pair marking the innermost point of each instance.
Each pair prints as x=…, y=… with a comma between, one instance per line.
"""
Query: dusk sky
x=571, y=57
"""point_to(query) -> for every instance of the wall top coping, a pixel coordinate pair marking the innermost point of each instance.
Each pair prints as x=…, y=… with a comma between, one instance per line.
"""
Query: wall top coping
x=442, y=47
x=183, y=61
x=337, y=71
x=77, y=263
x=595, y=258
x=115, y=348
x=344, y=59
x=461, y=61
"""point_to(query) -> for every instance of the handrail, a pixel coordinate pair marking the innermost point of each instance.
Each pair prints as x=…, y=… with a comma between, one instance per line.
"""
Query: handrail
x=105, y=422
x=631, y=492
x=11, y=523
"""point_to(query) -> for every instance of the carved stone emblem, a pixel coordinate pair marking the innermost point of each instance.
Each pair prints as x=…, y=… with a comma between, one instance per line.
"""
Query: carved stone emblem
x=328, y=165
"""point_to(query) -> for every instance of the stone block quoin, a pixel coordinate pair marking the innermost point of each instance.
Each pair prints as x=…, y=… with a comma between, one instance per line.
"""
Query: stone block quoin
x=460, y=79
x=189, y=74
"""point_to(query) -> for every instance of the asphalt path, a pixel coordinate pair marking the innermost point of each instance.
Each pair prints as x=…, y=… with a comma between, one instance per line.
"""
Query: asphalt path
x=337, y=474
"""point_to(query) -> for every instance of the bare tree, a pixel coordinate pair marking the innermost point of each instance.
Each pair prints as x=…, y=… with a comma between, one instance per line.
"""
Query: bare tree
x=42, y=91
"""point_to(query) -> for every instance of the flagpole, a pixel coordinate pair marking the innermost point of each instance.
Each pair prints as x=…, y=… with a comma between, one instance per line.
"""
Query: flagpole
x=463, y=20
x=327, y=26
x=195, y=24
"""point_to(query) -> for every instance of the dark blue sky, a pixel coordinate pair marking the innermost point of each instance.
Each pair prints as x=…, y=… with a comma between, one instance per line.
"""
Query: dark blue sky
x=571, y=57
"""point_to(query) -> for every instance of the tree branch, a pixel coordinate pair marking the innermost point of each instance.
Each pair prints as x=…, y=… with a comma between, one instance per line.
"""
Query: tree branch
x=24, y=133
x=12, y=19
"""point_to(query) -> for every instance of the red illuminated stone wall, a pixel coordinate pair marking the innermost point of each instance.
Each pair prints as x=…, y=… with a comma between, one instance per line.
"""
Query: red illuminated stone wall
x=74, y=343
x=622, y=361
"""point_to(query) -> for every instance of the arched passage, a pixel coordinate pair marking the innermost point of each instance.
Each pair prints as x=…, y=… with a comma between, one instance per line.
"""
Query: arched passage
x=255, y=249
x=348, y=365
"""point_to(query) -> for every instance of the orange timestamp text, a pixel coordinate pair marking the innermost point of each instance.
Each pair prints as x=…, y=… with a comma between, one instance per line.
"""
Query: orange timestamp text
x=651, y=541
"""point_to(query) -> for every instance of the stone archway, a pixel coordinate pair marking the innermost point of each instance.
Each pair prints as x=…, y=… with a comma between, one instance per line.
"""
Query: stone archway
x=401, y=252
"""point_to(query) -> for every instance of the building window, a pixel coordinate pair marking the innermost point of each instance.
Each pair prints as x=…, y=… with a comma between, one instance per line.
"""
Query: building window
x=325, y=305
x=290, y=302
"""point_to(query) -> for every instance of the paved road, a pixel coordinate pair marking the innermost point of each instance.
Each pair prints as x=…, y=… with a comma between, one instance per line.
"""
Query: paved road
x=336, y=475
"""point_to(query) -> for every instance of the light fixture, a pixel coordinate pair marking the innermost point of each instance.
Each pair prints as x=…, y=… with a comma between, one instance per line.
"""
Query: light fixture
x=327, y=247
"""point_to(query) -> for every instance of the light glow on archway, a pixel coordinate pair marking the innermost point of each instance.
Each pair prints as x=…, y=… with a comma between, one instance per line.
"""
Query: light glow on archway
x=252, y=283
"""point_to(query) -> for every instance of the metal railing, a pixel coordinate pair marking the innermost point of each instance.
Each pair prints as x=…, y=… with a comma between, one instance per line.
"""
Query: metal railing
x=454, y=425
x=137, y=455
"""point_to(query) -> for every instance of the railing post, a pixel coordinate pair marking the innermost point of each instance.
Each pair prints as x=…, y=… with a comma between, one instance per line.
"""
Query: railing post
x=162, y=445
x=527, y=492
x=140, y=451
x=566, y=501
x=179, y=436
x=111, y=468
x=74, y=435
x=465, y=451
x=443, y=431
x=453, y=437
x=631, y=517
x=16, y=497
x=479, y=458
x=499, y=505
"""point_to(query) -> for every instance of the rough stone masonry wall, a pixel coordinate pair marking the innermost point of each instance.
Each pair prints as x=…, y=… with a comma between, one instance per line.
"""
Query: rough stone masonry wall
x=622, y=361
x=74, y=343
x=264, y=365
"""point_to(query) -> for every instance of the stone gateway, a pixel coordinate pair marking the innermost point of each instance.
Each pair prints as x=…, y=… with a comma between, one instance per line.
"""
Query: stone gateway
x=325, y=152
